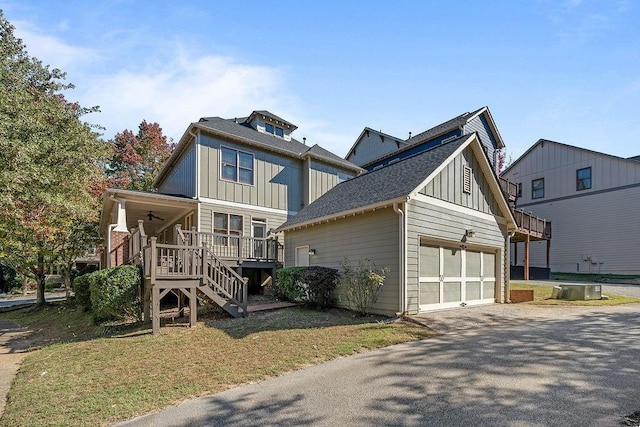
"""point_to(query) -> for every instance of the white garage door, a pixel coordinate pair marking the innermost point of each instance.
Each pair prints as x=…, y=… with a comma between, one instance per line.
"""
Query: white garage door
x=454, y=277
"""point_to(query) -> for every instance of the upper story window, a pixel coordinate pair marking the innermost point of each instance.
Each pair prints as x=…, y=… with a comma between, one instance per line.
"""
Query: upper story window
x=236, y=166
x=519, y=193
x=274, y=130
x=537, y=188
x=583, y=179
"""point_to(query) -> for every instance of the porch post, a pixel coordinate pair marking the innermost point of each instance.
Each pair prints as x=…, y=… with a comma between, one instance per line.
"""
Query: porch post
x=526, y=258
x=193, y=307
x=548, y=253
x=156, y=310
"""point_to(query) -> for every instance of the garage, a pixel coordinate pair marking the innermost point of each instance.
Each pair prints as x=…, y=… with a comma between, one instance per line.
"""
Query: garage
x=456, y=276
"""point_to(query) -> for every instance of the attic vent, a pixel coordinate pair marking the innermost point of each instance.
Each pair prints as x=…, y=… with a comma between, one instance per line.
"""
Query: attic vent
x=451, y=138
x=466, y=180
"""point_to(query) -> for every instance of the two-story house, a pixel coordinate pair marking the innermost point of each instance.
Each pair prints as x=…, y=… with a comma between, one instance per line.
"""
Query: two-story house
x=227, y=186
x=592, y=199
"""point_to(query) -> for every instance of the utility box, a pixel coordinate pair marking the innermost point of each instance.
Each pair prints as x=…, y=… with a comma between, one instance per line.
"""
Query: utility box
x=581, y=292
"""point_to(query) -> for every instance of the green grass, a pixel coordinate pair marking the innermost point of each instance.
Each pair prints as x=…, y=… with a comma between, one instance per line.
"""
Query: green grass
x=76, y=377
x=542, y=295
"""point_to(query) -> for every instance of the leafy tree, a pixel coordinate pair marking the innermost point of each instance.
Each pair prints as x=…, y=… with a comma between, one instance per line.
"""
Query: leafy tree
x=137, y=159
x=50, y=160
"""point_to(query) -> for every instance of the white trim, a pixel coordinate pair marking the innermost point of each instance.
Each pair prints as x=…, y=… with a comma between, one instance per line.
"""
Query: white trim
x=196, y=143
x=462, y=209
x=246, y=206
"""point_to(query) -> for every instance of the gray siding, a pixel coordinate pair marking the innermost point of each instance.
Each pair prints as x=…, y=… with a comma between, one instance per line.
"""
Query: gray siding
x=323, y=178
x=182, y=178
x=592, y=230
x=274, y=220
x=596, y=233
x=447, y=185
x=479, y=124
x=372, y=146
x=373, y=236
x=448, y=226
x=277, y=179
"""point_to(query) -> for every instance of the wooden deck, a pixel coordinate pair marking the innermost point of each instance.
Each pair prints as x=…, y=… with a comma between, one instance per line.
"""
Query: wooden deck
x=534, y=227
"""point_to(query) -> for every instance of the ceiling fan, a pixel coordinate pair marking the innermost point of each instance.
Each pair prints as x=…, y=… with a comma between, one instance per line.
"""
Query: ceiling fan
x=151, y=216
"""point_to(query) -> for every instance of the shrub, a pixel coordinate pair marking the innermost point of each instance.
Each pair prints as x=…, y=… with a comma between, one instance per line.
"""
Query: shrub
x=115, y=293
x=361, y=285
x=287, y=288
x=319, y=285
x=314, y=286
x=81, y=288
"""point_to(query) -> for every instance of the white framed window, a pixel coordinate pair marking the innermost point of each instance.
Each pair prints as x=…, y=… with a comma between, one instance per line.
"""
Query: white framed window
x=236, y=166
x=466, y=179
x=537, y=188
x=274, y=130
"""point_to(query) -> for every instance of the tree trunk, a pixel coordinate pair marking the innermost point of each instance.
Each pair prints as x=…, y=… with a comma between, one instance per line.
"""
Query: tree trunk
x=40, y=280
x=67, y=279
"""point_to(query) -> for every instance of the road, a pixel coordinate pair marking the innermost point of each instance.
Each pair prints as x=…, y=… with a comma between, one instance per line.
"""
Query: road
x=542, y=366
x=30, y=299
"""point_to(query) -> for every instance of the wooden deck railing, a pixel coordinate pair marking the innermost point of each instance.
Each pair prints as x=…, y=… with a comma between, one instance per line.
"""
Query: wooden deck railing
x=137, y=241
x=531, y=224
x=234, y=247
x=511, y=188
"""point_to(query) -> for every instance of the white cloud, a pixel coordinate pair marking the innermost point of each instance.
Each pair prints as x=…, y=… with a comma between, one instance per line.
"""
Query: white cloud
x=182, y=91
x=50, y=50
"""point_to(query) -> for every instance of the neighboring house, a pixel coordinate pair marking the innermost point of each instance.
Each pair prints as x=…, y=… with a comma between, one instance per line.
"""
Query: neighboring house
x=592, y=199
x=228, y=184
x=437, y=219
x=373, y=149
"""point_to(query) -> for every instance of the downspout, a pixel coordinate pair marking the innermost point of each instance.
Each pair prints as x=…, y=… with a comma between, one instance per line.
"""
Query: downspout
x=197, y=183
x=402, y=263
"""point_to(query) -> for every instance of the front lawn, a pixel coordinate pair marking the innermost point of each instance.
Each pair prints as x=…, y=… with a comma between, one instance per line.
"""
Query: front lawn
x=76, y=377
x=542, y=296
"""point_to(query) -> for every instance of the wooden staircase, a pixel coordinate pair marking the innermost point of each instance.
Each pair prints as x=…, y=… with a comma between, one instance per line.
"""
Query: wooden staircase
x=193, y=271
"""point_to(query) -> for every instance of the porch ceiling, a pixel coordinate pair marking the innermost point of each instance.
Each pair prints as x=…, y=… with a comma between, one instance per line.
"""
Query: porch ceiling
x=138, y=205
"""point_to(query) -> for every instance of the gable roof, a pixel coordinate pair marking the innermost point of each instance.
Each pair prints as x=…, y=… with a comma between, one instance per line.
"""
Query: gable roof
x=368, y=130
x=450, y=125
x=396, y=182
x=633, y=160
x=242, y=133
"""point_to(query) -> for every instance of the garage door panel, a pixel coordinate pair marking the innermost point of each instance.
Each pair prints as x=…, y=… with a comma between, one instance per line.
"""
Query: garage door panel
x=452, y=292
x=472, y=290
x=473, y=268
x=429, y=261
x=489, y=264
x=488, y=289
x=429, y=292
x=452, y=258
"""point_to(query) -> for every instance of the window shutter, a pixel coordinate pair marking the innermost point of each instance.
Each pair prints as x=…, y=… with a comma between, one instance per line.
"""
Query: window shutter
x=466, y=180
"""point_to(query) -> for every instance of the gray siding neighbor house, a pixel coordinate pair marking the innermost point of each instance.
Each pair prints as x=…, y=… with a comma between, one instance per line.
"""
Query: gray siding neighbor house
x=438, y=220
x=592, y=199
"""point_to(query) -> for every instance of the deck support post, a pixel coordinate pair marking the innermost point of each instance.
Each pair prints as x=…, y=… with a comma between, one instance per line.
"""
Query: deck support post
x=146, y=303
x=156, y=309
x=193, y=307
x=548, y=253
x=526, y=258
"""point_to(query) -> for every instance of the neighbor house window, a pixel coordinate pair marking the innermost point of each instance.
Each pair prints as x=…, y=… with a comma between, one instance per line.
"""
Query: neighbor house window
x=229, y=225
x=583, y=179
x=519, y=193
x=466, y=179
x=537, y=188
x=236, y=166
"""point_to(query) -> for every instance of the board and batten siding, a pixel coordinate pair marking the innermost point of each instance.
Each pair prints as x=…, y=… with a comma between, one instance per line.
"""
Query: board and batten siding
x=447, y=185
x=274, y=220
x=277, y=178
x=558, y=163
x=447, y=227
x=181, y=180
x=598, y=233
x=370, y=236
x=323, y=177
x=372, y=146
x=479, y=124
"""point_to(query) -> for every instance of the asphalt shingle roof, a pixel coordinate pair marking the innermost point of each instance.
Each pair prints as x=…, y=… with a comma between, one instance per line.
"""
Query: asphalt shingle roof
x=391, y=182
x=293, y=147
x=454, y=123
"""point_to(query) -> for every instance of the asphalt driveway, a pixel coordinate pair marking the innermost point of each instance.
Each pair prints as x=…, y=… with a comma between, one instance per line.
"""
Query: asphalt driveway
x=526, y=366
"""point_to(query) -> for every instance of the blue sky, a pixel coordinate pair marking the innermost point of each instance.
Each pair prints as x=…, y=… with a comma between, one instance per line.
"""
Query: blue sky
x=566, y=70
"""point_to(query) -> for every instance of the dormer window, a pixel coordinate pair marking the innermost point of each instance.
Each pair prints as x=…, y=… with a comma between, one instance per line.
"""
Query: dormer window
x=236, y=166
x=274, y=130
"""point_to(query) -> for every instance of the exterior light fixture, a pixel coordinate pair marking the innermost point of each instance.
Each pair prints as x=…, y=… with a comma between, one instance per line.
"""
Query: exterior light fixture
x=469, y=233
x=312, y=251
